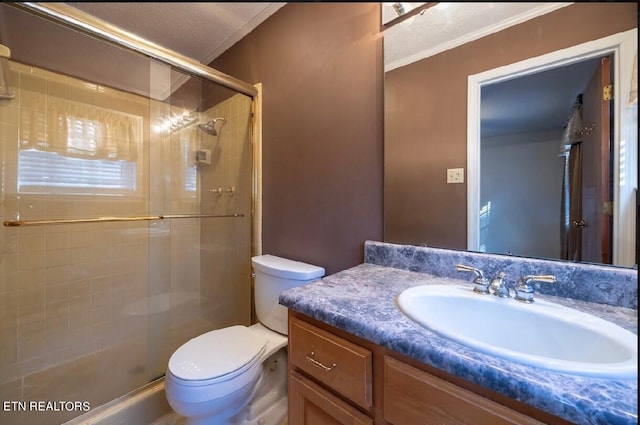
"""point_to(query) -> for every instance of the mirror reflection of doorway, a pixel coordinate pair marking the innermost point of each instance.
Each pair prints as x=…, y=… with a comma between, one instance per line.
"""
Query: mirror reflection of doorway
x=537, y=198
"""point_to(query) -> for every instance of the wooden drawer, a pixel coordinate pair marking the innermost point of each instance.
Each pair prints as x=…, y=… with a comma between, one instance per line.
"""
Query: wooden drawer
x=339, y=364
x=414, y=397
x=310, y=404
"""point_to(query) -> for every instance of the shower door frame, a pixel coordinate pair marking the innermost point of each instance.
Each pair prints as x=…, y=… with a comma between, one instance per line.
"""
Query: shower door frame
x=88, y=24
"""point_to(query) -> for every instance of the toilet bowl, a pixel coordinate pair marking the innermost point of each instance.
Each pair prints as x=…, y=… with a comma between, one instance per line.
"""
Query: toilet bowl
x=237, y=375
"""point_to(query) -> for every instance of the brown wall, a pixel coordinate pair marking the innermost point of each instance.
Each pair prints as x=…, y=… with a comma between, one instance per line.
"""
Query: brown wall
x=426, y=120
x=321, y=68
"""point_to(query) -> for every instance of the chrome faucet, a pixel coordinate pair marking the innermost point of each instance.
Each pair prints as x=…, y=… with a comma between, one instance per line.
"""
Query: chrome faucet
x=498, y=286
x=480, y=283
x=524, y=291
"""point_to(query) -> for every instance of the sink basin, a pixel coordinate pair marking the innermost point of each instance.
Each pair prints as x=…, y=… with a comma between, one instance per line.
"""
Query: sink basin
x=541, y=334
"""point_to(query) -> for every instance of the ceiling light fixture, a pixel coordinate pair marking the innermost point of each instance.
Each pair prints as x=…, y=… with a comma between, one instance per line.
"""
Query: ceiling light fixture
x=399, y=8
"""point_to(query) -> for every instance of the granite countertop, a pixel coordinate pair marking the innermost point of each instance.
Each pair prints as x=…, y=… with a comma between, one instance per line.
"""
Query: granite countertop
x=362, y=301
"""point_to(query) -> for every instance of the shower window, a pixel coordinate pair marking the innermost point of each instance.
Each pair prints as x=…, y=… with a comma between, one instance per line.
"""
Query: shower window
x=41, y=171
x=76, y=148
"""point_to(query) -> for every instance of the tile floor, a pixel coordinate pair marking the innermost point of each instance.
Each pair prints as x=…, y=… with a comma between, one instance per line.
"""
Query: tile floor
x=175, y=419
x=170, y=419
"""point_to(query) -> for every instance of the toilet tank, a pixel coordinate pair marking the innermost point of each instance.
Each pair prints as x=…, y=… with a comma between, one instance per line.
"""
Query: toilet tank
x=272, y=276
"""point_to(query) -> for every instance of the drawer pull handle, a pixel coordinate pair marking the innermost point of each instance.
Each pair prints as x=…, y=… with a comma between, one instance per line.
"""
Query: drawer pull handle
x=316, y=363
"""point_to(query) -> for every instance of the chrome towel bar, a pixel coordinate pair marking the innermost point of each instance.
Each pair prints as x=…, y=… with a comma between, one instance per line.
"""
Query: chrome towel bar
x=19, y=223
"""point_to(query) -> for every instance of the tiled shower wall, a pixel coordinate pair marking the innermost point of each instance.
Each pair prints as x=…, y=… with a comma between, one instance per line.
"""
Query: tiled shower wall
x=89, y=312
x=228, y=239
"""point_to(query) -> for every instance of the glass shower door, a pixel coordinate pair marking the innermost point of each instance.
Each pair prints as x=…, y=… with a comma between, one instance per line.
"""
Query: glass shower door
x=199, y=269
x=126, y=225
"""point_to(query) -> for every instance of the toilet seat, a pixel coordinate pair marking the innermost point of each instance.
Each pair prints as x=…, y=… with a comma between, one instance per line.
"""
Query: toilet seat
x=216, y=356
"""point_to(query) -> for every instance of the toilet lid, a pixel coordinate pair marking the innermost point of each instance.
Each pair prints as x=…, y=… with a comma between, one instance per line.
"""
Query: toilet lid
x=216, y=353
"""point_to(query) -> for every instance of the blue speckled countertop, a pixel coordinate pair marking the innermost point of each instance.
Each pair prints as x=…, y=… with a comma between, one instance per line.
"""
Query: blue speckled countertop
x=362, y=301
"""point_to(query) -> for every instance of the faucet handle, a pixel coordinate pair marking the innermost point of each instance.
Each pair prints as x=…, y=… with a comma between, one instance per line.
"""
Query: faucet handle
x=524, y=291
x=480, y=283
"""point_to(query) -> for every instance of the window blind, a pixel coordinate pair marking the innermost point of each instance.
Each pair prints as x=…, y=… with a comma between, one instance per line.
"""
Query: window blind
x=43, y=171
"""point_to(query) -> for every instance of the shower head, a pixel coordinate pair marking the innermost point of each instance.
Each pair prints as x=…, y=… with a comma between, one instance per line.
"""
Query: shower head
x=210, y=126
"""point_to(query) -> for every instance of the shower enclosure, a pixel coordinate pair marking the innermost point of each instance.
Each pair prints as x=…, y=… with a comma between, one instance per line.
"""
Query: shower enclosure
x=126, y=200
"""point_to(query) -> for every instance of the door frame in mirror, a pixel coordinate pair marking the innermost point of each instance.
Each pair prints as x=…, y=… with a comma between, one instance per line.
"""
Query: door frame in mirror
x=623, y=46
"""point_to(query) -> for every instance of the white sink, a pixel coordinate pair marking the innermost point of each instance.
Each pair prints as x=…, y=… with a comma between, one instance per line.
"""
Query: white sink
x=541, y=334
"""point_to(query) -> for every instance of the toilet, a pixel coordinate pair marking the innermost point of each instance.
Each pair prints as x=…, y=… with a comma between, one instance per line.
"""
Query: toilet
x=238, y=375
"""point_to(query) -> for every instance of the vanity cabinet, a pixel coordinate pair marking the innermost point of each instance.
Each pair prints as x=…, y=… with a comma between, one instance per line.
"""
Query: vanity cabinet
x=337, y=378
x=412, y=397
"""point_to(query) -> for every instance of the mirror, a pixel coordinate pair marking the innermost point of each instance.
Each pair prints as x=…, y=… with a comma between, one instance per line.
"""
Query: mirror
x=526, y=215
x=450, y=60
